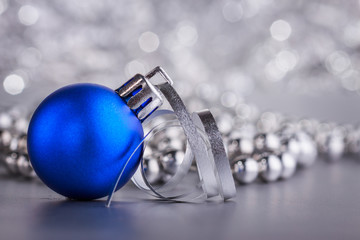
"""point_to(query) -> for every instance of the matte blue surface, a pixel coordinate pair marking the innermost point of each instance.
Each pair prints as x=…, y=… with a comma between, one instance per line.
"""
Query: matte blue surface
x=79, y=139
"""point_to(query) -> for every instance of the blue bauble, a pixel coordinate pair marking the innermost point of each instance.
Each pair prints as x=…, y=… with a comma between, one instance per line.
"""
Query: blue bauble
x=80, y=138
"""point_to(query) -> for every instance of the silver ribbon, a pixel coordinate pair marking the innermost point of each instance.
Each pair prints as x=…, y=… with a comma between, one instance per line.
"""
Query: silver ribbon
x=205, y=145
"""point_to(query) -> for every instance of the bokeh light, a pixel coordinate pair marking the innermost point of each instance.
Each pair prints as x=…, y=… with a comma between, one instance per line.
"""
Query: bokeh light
x=14, y=84
x=280, y=30
x=28, y=15
x=149, y=42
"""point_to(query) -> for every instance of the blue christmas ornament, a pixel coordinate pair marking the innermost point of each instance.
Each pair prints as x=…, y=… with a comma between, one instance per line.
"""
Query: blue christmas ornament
x=85, y=141
x=81, y=136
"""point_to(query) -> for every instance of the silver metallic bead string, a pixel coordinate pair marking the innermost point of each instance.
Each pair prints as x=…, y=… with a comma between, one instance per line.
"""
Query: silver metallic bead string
x=13, y=146
x=268, y=149
x=274, y=154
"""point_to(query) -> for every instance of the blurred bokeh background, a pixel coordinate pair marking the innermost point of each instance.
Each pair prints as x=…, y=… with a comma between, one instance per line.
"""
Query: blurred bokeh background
x=296, y=57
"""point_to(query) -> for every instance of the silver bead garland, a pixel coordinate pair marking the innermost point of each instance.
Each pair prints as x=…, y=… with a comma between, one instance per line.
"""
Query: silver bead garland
x=268, y=156
x=13, y=146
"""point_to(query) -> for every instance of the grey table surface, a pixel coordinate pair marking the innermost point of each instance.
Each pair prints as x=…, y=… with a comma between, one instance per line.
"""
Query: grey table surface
x=322, y=202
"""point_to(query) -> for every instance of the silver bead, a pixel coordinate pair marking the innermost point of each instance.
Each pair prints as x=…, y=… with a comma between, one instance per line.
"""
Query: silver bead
x=21, y=125
x=18, y=144
x=352, y=141
x=335, y=147
x=11, y=163
x=170, y=160
x=169, y=138
x=239, y=147
x=287, y=129
x=5, y=140
x=308, y=150
x=288, y=163
x=269, y=122
x=24, y=166
x=22, y=144
x=5, y=120
x=268, y=142
x=245, y=170
x=309, y=126
x=331, y=143
x=270, y=168
x=292, y=146
x=171, y=143
x=152, y=169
